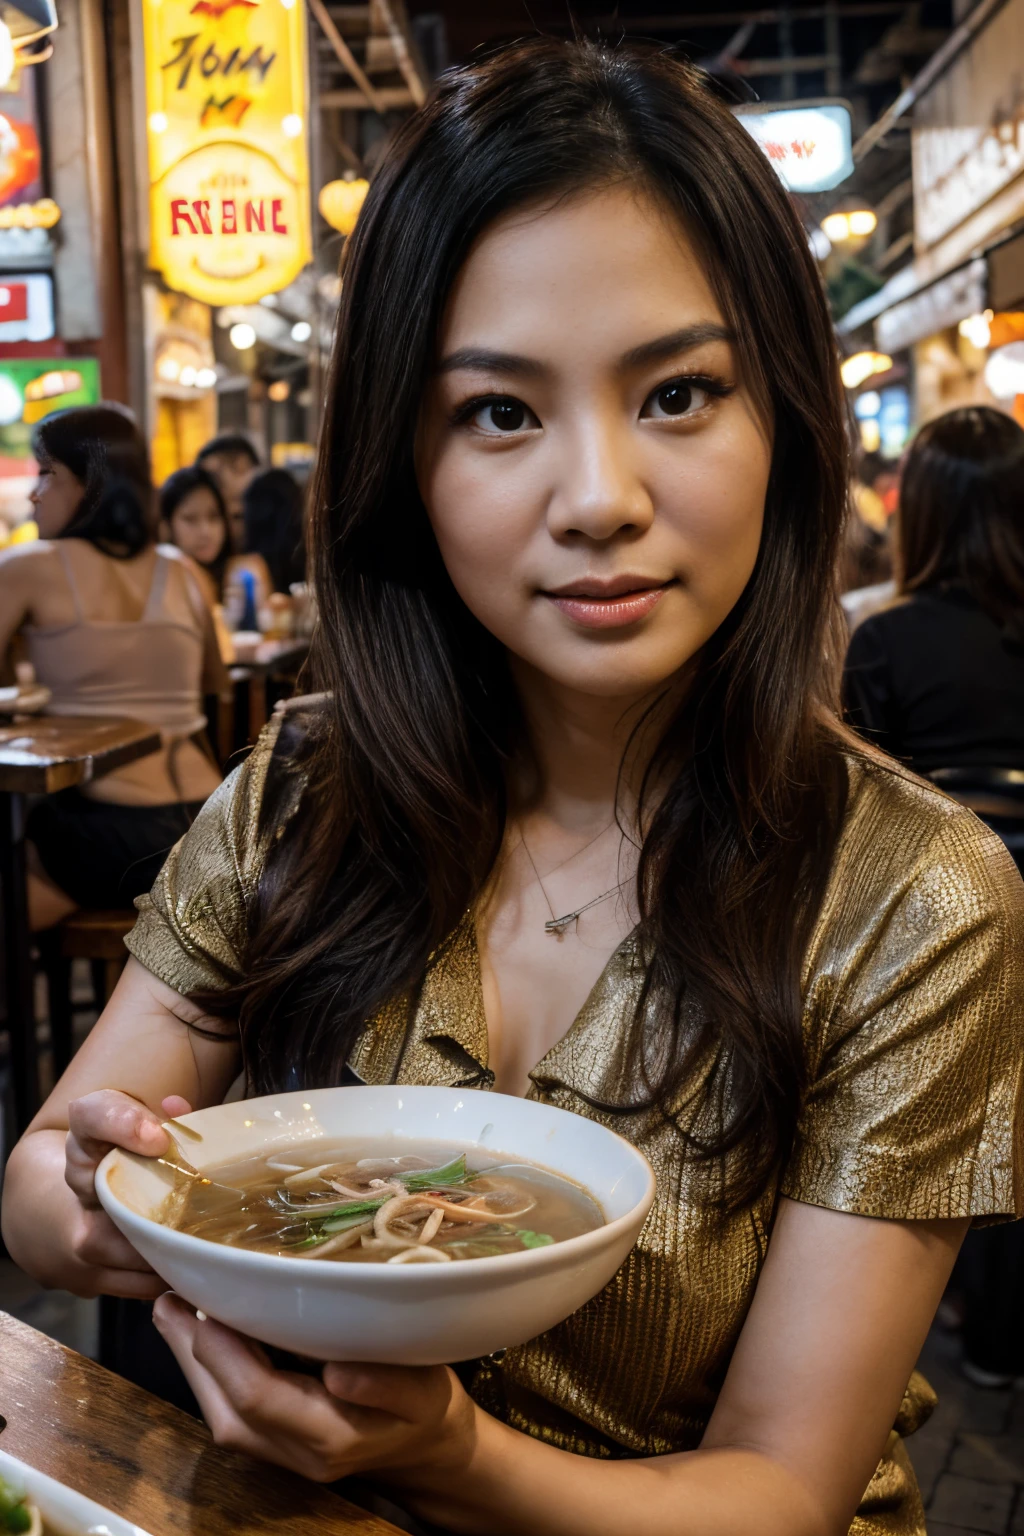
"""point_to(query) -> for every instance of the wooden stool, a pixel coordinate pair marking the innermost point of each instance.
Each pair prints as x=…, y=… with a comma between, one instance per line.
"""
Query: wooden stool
x=85, y=935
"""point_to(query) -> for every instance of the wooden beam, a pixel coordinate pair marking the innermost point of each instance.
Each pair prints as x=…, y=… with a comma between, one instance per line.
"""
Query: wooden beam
x=403, y=54
x=390, y=98
x=345, y=56
x=783, y=66
x=682, y=22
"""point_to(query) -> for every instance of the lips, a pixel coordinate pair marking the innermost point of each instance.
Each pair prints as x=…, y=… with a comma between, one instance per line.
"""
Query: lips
x=610, y=602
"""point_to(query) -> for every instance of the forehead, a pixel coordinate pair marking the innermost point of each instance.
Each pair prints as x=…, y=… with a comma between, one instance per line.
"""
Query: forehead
x=235, y=463
x=606, y=268
x=199, y=499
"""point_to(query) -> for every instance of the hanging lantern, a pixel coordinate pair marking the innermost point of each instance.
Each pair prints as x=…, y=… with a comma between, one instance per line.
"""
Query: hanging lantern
x=340, y=201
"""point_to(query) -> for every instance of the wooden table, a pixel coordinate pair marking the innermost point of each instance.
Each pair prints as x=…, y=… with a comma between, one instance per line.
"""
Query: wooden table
x=272, y=659
x=146, y=1461
x=40, y=754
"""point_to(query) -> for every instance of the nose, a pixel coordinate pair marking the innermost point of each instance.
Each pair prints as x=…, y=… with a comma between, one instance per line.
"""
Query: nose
x=599, y=492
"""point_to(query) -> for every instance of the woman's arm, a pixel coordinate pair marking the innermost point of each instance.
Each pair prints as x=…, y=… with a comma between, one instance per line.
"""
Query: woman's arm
x=139, y=1058
x=18, y=567
x=838, y=1320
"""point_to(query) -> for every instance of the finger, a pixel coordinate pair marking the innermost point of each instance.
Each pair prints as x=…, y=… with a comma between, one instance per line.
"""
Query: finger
x=413, y=1393
x=175, y=1105
x=108, y=1118
x=178, y=1325
x=97, y=1242
x=121, y=1282
x=272, y=1414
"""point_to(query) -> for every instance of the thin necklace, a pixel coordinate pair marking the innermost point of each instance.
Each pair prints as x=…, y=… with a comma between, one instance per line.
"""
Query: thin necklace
x=559, y=925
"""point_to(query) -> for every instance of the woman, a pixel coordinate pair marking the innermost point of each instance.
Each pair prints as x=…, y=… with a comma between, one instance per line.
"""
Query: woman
x=575, y=818
x=937, y=678
x=193, y=518
x=113, y=627
x=272, y=507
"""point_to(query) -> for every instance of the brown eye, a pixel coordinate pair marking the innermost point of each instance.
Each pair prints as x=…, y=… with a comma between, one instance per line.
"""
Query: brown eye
x=502, y=415
x=674, y=399
x=507, y=415
x=678, y=398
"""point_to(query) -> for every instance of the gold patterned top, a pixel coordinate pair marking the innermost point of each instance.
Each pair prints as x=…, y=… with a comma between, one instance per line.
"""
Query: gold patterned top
x=913, y=985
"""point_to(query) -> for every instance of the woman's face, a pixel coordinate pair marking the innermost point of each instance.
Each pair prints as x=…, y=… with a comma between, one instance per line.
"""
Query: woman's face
x=197, y=526
x=56, y=498
x=591, y=460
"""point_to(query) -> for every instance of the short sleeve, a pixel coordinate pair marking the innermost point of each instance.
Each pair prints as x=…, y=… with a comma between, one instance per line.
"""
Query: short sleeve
x=914, y=1015
x=191, y=928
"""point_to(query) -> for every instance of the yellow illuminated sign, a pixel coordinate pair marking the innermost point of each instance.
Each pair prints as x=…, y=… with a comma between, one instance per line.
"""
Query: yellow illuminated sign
x=226, y=129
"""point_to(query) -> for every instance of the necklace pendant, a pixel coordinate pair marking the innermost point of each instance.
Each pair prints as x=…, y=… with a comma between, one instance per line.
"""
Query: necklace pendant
x=559, y=925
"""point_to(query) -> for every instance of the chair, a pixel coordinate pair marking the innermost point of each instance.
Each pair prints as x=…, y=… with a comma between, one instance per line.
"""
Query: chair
x=994, y=794
x=86, y=935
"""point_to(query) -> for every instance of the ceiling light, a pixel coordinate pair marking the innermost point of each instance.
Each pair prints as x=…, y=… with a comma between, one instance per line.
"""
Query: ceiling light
x=977, y=329
x=242, y=336
x=1004, y=371
x=291, y=126
x=206, y=378
x=301, y=330
x=187, y=376
x=279, y=390
x=862, y=365
x=862, y=222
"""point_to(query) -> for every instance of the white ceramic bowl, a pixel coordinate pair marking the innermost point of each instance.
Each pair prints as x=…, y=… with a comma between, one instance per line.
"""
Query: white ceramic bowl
x=407, y=1314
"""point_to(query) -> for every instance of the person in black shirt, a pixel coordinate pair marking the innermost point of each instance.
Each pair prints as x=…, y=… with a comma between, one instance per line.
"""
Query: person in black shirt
x=937, y=680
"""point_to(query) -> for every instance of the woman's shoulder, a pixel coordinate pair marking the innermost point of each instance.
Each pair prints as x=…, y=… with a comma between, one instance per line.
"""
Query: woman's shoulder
x=901, y=835
x=914, y=1012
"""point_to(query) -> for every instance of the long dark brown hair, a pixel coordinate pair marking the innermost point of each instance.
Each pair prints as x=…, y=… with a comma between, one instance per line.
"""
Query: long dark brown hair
x=405, y=770
x=104, y=450
x=961, y=516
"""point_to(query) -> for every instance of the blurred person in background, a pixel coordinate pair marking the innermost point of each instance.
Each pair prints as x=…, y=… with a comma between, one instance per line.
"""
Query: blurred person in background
x=273, y=506
x=113, y=626
x=865, y=565
x=232, y=461
x=937, y=680
x=194, y=518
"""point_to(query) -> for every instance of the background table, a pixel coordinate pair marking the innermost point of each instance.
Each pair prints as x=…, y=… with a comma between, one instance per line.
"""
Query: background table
x=146, y=1461
x=39, y=755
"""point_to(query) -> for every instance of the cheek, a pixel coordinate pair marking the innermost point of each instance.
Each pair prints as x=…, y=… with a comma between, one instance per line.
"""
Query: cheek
x=716, y=511
x=484, y=518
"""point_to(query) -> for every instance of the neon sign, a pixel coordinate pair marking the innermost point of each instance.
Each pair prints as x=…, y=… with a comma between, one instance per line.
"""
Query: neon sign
x=229, y=174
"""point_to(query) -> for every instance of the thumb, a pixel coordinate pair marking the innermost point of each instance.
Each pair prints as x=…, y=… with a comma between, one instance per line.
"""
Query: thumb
x=411, y=1392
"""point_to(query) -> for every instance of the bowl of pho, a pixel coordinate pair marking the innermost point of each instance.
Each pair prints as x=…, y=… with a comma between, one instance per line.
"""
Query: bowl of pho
x=412, y=1226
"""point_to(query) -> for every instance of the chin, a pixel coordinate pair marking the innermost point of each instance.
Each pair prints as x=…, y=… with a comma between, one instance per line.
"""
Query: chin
x=615, y=677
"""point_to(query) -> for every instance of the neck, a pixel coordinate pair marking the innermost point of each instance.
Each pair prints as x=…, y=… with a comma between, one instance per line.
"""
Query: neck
x=589, y=756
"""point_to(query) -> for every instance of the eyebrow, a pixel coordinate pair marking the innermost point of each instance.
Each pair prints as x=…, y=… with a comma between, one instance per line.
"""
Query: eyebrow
x=485, y=360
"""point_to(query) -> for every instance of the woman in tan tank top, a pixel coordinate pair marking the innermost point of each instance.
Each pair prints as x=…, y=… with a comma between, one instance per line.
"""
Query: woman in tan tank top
x=114, y=625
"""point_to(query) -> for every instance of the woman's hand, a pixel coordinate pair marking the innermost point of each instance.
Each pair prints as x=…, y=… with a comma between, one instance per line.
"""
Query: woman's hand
x=107, y=1263
x=359, y=1419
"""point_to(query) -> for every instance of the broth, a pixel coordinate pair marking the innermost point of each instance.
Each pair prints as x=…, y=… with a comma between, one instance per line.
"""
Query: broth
x=355, y=1203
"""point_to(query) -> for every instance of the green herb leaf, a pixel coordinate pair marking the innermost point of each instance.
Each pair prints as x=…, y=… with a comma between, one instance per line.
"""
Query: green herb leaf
x=533, y=1239
x=18, y=1518
x=426, y=1178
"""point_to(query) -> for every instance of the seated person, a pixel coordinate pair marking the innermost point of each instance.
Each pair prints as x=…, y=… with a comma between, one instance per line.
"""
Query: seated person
x=232, y=461
x=193, y=517
x=113, y=625
x=272, y=506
